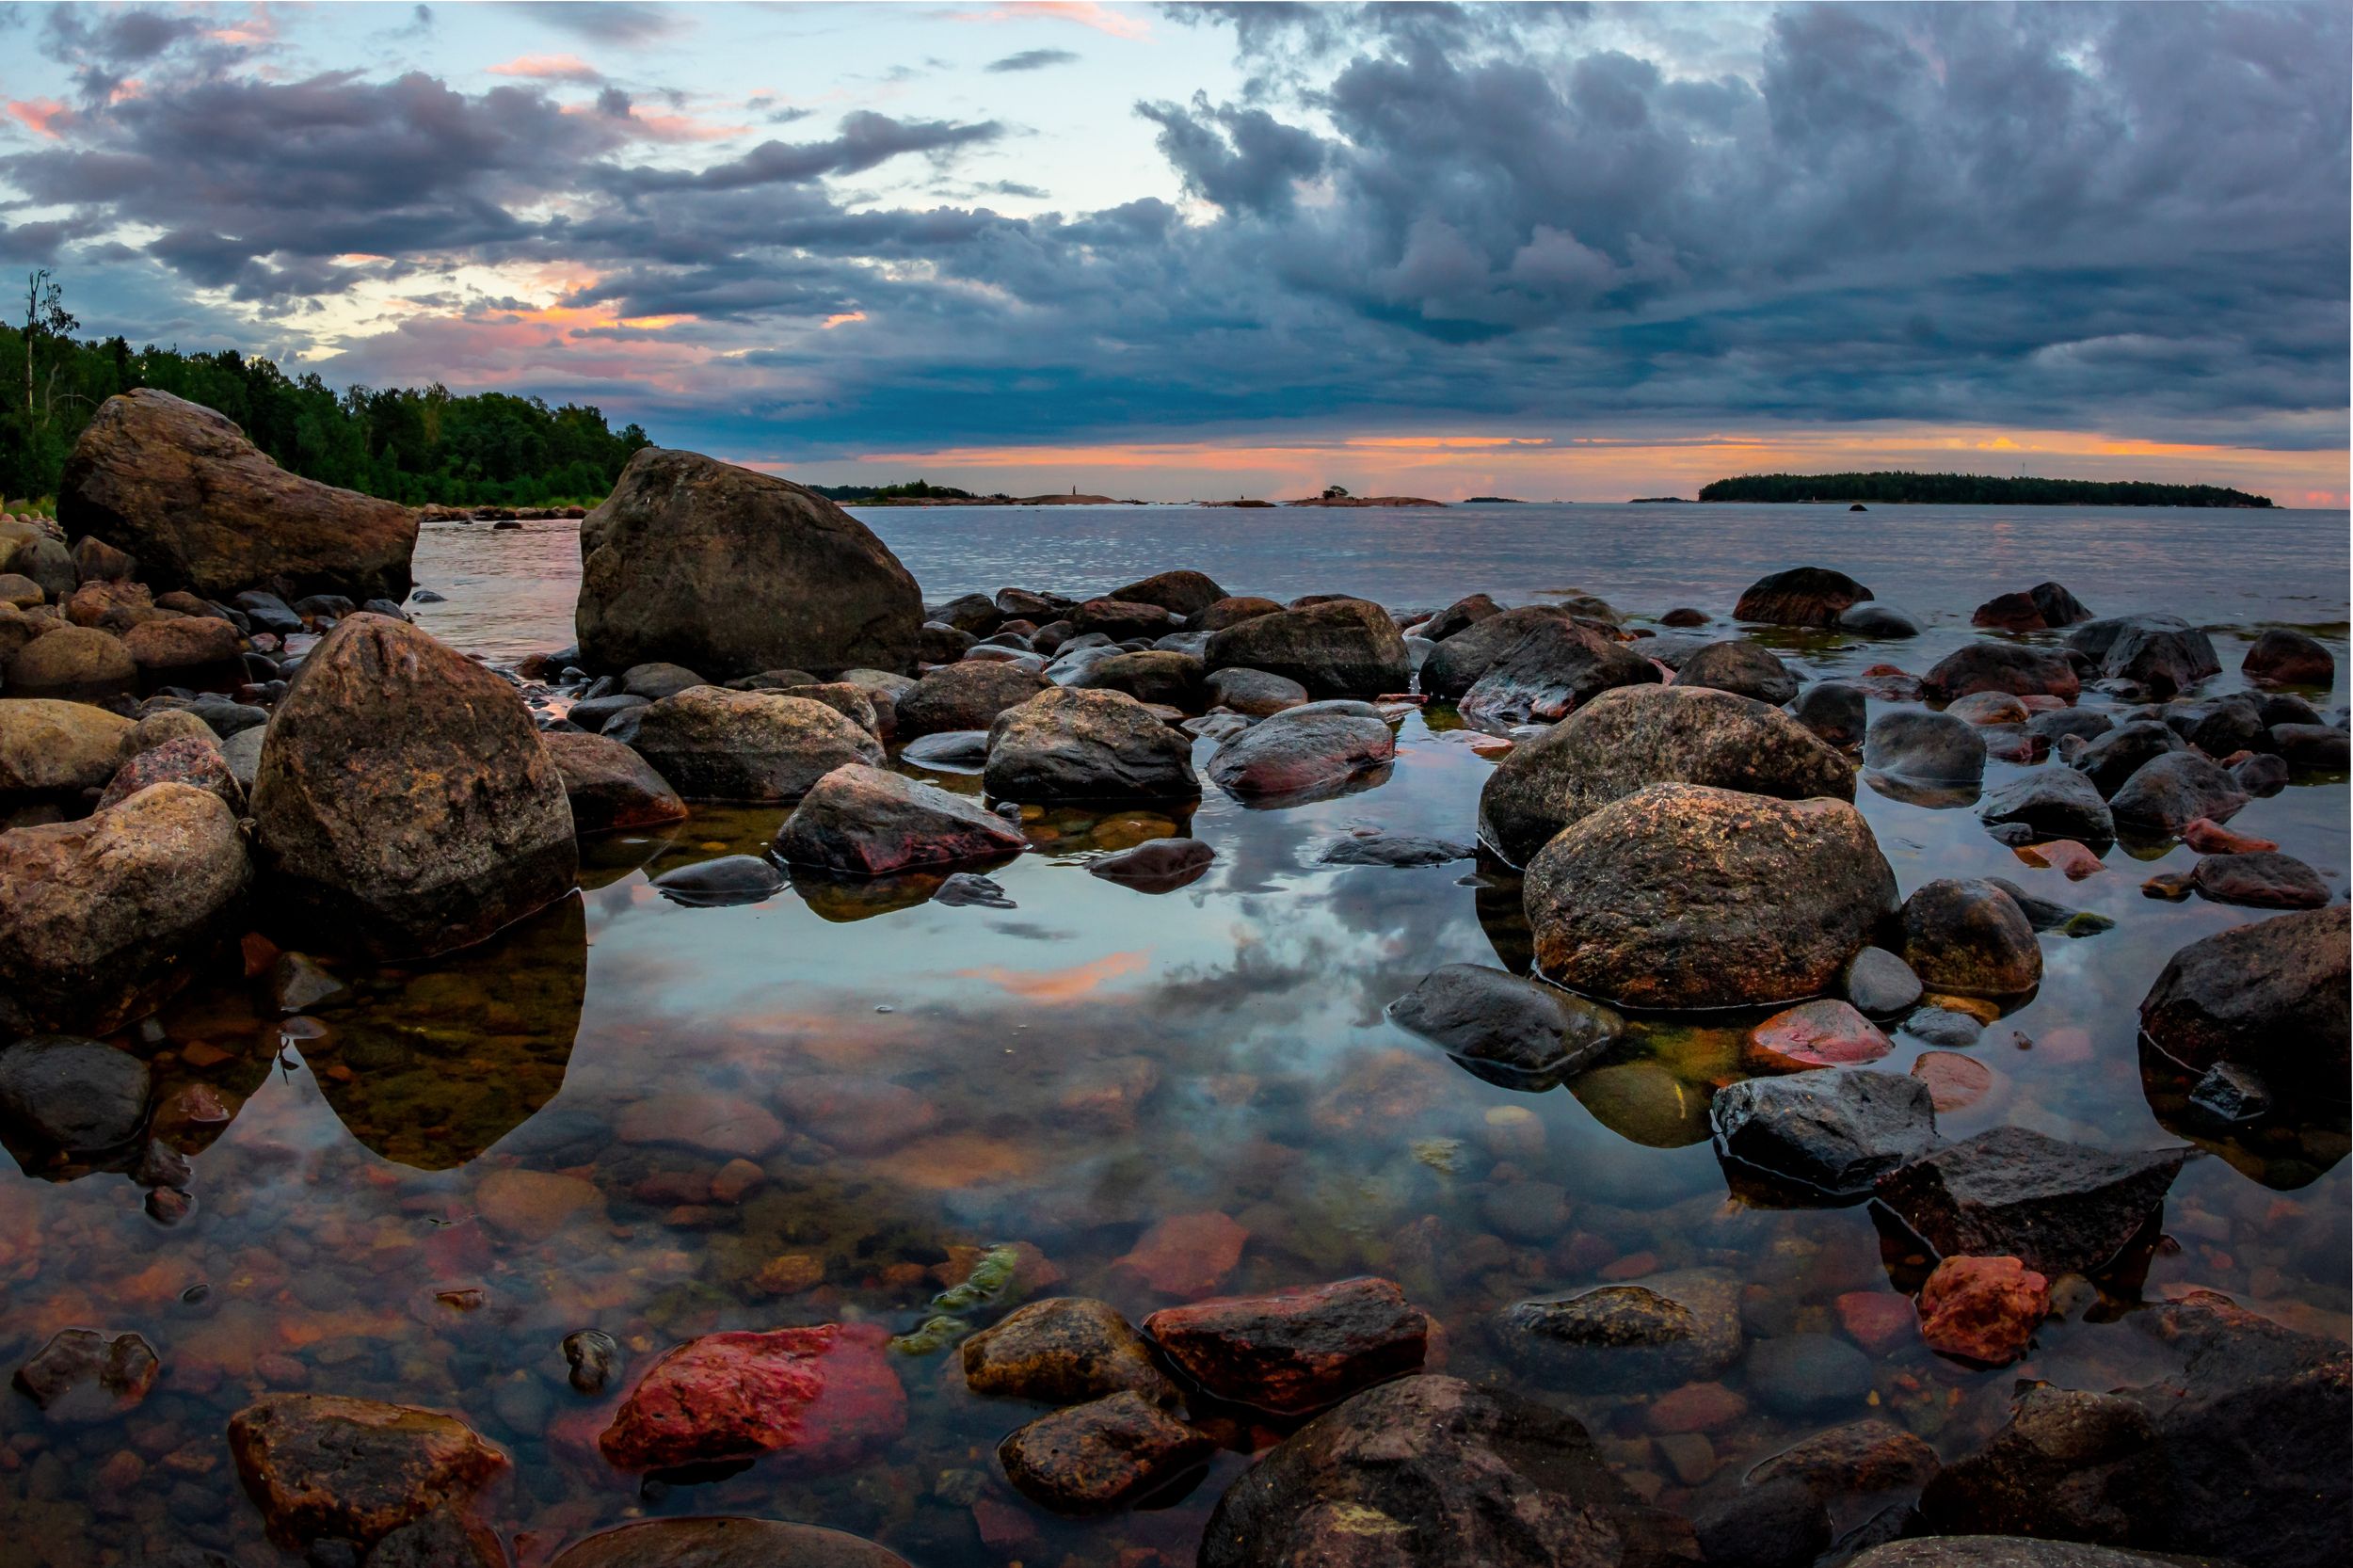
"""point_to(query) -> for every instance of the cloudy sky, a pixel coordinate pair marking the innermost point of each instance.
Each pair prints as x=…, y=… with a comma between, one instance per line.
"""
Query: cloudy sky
x=1169, y=251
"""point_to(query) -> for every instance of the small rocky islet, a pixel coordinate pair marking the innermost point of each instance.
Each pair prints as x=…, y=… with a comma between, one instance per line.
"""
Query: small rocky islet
x=1831, y=1152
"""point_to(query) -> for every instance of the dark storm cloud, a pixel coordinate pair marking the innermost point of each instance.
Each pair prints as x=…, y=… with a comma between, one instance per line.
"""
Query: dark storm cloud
x=2075, y=216
x=1033, y=59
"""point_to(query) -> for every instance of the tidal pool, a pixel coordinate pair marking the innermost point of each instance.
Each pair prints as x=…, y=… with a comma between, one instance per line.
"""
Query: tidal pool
x=662, y=1121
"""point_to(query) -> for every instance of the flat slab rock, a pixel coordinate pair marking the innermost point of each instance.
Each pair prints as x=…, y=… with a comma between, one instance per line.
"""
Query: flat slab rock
x=1099, y=1456
x=826, y=1395
x=2058, y=1208
x=1837, y=1132
x=1292, y=1352
x=321, y=1464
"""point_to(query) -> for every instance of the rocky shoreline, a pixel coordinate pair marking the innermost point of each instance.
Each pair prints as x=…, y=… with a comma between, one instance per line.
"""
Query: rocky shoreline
x=225, y=749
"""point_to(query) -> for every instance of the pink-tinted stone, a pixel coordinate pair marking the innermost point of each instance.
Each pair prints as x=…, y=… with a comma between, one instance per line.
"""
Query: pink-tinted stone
x=2208, y=837
x=716, y=1124
x=1292, y=1351
x=1694, y=1407
x=825, y=1395
x=1879, y=1320
x=1983, y=1309
x=2063, y=854
x=1825, y=1034
x=1954, y=1081
x=1188, y=1255
x=858, y=1115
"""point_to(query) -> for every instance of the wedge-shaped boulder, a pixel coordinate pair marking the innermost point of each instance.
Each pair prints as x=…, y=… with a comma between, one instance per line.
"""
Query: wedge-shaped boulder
x=609, y=786
x=1836, y=1132
x=863, y=820
x=1635, y=736
x=202, y=508
x=730, y=572
x=1681, y=896
x=104, y=919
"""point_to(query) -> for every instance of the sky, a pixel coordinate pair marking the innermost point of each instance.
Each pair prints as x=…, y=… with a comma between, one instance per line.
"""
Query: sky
x=1565, y=251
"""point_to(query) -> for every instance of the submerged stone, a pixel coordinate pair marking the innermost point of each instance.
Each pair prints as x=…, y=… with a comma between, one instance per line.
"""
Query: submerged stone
x=827, y=1396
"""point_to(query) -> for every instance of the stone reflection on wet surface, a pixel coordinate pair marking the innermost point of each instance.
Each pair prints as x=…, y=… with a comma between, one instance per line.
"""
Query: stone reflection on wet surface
x=634, y=1120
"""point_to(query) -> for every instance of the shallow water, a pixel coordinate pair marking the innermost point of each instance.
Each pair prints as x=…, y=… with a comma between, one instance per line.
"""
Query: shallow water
x=916, y=1081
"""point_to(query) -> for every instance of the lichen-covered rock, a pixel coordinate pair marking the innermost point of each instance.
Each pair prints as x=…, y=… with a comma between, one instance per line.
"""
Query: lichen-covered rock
x=1684, y=896
x=1635, y=736
x=1064, y=1349
x=716, y=744
x=1342, y=647
x=1065, y=744
x=202, y=508
x=1971, y=939
x=320, y=1465
x=862, y=821
x=104, y=919
x=731, y=572
x=1431, y=1472
x=403, y=798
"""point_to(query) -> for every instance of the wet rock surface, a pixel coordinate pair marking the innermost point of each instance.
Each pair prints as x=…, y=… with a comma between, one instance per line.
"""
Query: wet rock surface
x=1295, y=1352
x=608, y=785
x=1066, y=1349
x=965, y=695
x=1301, y=750
x=864, y=820
x=715, y=744
x=1970, y=938
x=1344, y=648
x=1835, y=1132
x=1801, y=596
x=724, y=1543
x=1495, y=1018
x=1554, y=669
x=825, y=1396
x=1430, y=1471
x=320, y=1465
x=1923, y=747
x=2058, y=1208
x=2269, y=996
x=1087, y=745
x=1095, y=1457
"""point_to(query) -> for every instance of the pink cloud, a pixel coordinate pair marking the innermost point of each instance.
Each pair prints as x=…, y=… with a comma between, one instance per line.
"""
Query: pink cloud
x=549, y=68
x=41, y=116
x=1087, y=13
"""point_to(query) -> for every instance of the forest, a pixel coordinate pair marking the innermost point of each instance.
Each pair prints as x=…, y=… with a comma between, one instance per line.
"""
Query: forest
x=1972, y=489
x=410, y=444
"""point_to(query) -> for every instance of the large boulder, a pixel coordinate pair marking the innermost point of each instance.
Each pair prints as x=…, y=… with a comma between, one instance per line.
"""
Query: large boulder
x=1684, y=896
x=721, y=1541
x=1741, y=667
x=1555, y=670
x=1970, y=938
x=2243, y=1453
x=2045, y=607
x=1635, y=736
x=78, y=664
x=1455, y=665
x=862, y=821
x=104, y=919
x=1183, y=593
x=2058, y=1208
x=54, y=750
x=202, y=508
x=1065, y=744
x=403, y=798
x=2019, y=669
x=716, y=744
x=1431, y=1472
x=825, y=1395
x=731, y=572
x=322, y=1466
x=609, y=786
x=2161, y=654
x=2049, y=803
x=1342, y=647
x=1302, y=750
x=2269, y=996
x=2167, y=794
x=2283, y=658
x=1914, y=745
x=963, y=695
x=1835, y=1132
x=1801, y=596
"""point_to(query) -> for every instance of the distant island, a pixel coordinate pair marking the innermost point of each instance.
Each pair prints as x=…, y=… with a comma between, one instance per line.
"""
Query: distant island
x=1493, y=501
x=1972, y=489
x=1664, y=500
x=918, y=493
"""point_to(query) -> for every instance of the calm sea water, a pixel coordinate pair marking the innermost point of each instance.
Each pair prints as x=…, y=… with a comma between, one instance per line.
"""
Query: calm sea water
x=540, y=1120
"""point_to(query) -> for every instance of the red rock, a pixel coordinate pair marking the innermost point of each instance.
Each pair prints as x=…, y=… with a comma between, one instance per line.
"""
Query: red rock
x=1694, y=1407
x=1983, y=1309
x=1954, y=1081
x=1879, y=1320
x=1187, y=1255
x=1823, y=1033
x=81, y=1375
x=1632, y=1265
x=737, y=1180
x=2208, y=837
x=1292, y=1352
x=2063, y=854
x=1003, y=1527
x=824, y=1395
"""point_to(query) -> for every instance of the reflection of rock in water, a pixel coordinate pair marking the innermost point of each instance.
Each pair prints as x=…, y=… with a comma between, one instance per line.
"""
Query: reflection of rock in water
x=447, y=1058
x=2299, y=1140
x=842, y=899
x=1659, y=1098
x=1496, y=896
x=607, y=859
